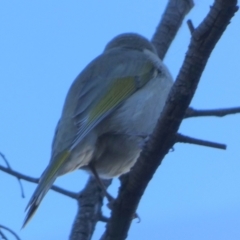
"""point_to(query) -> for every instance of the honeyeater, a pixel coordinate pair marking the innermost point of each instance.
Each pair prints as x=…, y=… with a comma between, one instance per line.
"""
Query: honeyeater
x=114, y=102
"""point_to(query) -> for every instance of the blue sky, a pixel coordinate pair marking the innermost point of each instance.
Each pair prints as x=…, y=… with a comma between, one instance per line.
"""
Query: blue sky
x=43, y=46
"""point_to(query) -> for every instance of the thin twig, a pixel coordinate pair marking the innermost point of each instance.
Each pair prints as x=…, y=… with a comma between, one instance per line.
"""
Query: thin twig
x=190, y=26
x=19, y=180
x=3, y=236
x=11, y=231
x=103, y=218
x=191, y=112
x=36, y=180
x=185, y=139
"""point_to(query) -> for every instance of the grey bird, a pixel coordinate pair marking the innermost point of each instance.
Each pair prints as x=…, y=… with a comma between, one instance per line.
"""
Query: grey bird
x=111, y=104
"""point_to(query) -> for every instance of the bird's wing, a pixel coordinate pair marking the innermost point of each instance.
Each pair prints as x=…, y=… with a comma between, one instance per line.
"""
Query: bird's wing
x=102, y=86
x=119, y=75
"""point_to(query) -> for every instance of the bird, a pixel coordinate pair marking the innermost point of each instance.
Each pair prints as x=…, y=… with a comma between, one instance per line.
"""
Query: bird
x=111, y=106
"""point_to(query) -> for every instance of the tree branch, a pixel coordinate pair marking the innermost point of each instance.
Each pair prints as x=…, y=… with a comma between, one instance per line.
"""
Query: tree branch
x=8, y=165
x=185, y=139
x=89, y=210
x=36, y=180
x=190, y=26
x=169, y=25
x=11, y=231
x=203, y=41
x=2, y=235
x=191, y=112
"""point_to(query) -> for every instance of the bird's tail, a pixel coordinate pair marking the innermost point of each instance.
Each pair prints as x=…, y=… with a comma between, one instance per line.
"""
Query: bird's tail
x=48, y=177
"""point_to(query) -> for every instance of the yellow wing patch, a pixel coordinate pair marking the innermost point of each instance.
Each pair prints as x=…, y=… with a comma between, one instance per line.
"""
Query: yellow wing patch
x=119, y=91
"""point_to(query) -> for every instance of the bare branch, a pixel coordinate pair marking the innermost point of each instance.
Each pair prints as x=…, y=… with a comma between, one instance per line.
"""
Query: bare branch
x=169, y=25
x=103, y=219
x=3, y=236
x=11, y=231
x=202, y=43
x=190, y=26
x=36, y=180
x=185, y=139
x=89, y=210
x=8, y=165
x=191, y=112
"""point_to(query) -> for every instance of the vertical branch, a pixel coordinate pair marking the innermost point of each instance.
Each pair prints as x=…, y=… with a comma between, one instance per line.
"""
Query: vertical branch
x=203, y=41
x=89, y=210
x=169, y=25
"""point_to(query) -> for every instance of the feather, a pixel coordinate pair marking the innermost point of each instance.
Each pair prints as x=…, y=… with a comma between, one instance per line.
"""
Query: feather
x=46, y=181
